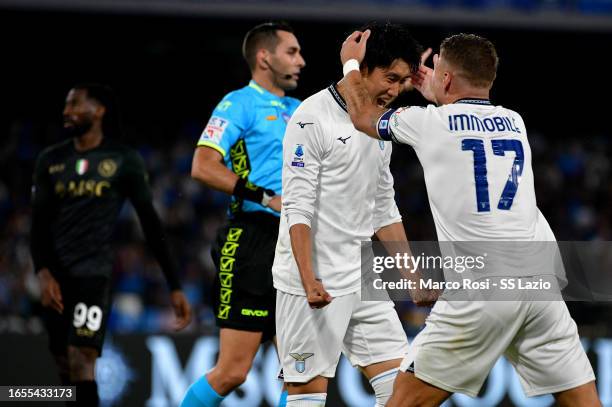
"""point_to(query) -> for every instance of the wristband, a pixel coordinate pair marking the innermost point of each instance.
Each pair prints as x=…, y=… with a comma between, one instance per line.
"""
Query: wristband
x=350, y=65
x=251, y=192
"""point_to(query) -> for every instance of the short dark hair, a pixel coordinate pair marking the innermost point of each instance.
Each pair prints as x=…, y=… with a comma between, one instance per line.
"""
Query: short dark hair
x=103, y=94
x=475, y=56
x=262, y=36
x=389, y=42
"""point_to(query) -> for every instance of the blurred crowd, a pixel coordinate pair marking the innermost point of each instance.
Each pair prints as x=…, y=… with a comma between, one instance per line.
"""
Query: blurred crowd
x=573, y=186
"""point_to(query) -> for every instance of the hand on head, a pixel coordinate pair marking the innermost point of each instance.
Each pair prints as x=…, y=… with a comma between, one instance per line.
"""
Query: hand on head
x=354, y=47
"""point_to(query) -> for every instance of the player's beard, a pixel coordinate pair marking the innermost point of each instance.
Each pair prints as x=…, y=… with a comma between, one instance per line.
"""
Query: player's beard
x=77, y=130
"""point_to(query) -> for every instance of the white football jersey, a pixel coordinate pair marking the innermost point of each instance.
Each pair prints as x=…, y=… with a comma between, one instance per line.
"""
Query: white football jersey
x=477, y=165
x=337, y=181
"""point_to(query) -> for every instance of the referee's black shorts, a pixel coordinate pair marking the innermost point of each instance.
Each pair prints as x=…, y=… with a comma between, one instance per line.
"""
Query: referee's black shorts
x=244, y=295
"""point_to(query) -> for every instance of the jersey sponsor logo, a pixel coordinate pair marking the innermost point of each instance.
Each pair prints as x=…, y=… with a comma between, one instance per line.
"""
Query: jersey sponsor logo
x=383, y=124
x=81, y=166
x=298, y=156
x=107, y=168
x=343, y=140
x=260, y=313
x=55, y=168
x=81, y=188
x=302, y=125
x=300, y=361
x=214, y=129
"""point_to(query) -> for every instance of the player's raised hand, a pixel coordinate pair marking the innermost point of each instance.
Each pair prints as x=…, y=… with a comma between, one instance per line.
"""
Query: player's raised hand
x=51, y=294
x=275, y=203
x=354, y=47
x=182, y=309
x=422, y=81
x=316, y=295
x=424, y=56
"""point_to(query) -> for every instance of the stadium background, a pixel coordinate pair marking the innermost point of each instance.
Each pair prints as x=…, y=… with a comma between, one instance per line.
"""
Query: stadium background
x=170, y=63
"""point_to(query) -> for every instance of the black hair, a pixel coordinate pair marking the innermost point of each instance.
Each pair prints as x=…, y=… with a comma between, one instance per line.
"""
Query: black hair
x=389, y=42
x=262, y=36
x=103, y=94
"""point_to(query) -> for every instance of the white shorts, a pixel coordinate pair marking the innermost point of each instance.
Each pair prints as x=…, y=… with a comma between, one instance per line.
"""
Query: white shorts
x=462, y=340
x=310, y=340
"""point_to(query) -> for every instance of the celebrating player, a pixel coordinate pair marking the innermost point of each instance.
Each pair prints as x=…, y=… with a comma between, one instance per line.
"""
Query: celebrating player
x=338, y=192
x=466, y=146
x=80, y=186
x=240, y=153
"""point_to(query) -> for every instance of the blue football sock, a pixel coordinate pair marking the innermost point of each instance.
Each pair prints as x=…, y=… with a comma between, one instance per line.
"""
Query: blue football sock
x=200, y=394
x=282, y=402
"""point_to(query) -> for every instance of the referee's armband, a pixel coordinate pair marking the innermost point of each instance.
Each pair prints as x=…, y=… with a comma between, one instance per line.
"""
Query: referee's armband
x=251, y=192
x=382, y=126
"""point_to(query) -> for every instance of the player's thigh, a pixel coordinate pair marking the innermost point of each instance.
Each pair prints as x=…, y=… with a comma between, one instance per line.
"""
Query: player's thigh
x=238, y=348
x=409, y=391
x=310, y=340
x=375, y=337
x=547, y=354
x=460, y=344
x=244, y=295
x=87, y=307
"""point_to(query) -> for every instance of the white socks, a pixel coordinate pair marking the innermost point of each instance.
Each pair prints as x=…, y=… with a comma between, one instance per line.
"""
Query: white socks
x=307, y=400
x=383, y=386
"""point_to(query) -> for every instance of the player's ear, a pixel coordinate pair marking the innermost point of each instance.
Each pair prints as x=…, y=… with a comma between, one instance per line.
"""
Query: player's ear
x=262, y=57
x=447, y=80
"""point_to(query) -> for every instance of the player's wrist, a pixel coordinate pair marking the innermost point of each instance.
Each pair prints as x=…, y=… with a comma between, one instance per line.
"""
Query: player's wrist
x=350, y=66
x=251, y=192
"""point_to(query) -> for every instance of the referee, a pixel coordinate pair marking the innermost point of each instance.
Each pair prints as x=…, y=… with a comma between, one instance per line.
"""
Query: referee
x=240, y=153
x=79, y=188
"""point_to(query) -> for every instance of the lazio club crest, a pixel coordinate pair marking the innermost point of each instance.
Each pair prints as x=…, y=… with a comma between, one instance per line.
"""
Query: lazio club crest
x=300, y=361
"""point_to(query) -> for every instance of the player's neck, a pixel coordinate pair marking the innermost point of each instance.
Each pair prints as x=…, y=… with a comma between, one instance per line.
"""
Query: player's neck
x=264, y=81
x=91, y=139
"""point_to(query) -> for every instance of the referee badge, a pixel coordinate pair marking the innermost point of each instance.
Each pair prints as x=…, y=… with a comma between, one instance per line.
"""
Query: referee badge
x=300, y=360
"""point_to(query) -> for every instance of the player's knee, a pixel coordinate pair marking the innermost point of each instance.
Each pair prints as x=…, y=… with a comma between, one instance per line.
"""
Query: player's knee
x=234, y=377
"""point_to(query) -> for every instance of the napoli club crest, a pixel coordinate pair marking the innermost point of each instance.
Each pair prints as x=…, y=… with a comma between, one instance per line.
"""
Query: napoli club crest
x=300, y=361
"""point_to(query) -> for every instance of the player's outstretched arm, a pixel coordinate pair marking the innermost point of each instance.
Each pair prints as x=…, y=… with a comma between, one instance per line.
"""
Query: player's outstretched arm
x=363, y=111
x=208, y=168
x=301, y=245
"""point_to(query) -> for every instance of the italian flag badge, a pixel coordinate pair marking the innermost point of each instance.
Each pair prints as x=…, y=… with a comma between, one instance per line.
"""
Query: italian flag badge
x=81, y=166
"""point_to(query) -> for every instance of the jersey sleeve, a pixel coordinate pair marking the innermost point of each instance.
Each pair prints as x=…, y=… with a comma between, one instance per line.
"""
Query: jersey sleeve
x=403, y=125
x=230, y=119
x=304, y=149
x=135, y=179
x=385, y=208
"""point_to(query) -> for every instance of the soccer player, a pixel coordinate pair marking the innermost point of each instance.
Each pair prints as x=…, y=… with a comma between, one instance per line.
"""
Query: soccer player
x=240, y=153
x=338, y=192
x=79, y=188
x=473, y=152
